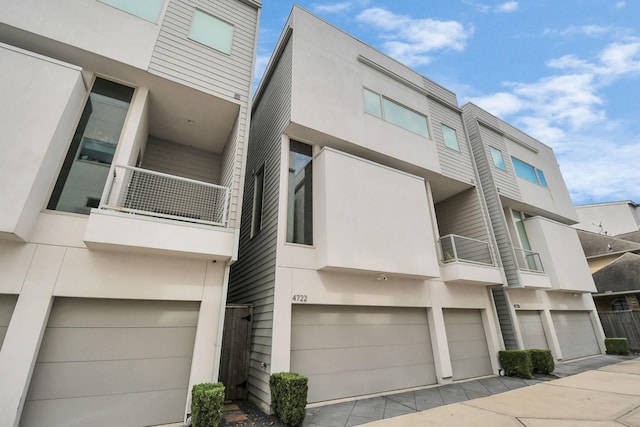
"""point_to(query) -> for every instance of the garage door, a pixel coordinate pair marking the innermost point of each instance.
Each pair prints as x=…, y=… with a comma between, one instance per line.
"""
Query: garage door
x=7, y=304
x=575, y=334
x=351, y=351
x=112, y=363
x=531, y=329
x=467, y=343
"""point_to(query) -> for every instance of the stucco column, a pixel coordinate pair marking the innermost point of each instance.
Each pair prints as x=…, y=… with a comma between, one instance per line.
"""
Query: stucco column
x=439, y=342
x=25, y=331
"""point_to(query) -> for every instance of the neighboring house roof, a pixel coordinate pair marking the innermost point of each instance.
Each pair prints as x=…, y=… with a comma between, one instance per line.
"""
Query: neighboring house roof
x=621, y=275
x=634, y=236
x=595, y=244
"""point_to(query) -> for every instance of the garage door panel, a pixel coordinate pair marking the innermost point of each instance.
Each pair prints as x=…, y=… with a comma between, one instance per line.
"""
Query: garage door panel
x=357, y=383
x=532, y=330
x=125, y=410
x=331, y=336
x=68, y=344
x=467, y=343
x=350, y=359
x=575, y=334
x=110, y=313
x=343, y=358
x=52, y=380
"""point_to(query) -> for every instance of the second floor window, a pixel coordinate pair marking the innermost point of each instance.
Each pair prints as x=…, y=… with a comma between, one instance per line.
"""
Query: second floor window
x=392, y=112
x=528, y=172
x=300, y=194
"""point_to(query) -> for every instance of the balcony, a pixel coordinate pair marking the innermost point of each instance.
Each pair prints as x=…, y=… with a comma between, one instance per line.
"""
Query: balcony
x=467, y=261
x=143, y=210
x=531, y=270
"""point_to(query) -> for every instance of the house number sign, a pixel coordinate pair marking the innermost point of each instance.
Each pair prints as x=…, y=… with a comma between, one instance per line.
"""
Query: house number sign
x=299, y=298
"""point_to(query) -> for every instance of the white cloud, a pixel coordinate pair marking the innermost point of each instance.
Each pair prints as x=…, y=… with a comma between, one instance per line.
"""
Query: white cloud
x=621, y=58
x=620, y=4
x=333, y=7
x=508, y=7
x=411, y=40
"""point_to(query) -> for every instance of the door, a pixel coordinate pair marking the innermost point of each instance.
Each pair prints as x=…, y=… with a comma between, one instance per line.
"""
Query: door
x=351, y=351
x=236, y=348
x=575, y=334
x=532, y=330
x=467, y=343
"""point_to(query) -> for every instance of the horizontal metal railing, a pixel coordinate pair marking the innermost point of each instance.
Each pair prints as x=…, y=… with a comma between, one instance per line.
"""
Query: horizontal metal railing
x=459, y=248
x=529, y=260
x=144, y=192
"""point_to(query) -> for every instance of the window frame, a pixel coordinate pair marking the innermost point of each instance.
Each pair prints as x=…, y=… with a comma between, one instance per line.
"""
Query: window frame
x=536, y=175
x=202, y=41
x=455, y=137
x=384, y=115
x=494, y=150
x=125, y=7
x=306, y=219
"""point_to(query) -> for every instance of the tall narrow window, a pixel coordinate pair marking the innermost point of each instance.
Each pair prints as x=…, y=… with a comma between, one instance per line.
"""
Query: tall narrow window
x=450, y=137
x=85, y=169
x=300, y=194
x=258, y=197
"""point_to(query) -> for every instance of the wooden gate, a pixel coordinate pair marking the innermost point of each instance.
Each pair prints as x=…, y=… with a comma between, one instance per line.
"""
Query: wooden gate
x=236, y=346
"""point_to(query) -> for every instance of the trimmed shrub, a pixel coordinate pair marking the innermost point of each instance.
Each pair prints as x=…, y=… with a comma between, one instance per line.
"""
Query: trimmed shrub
x=542, y=360
x=289, y=396
x=516, y=363
x=206, y=404
x=617, y=345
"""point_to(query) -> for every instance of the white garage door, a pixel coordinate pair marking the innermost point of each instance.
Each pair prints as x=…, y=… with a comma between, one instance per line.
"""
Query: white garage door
x=351, y=351
x=112, y=363
x=575, y=334
x=531, y=329
x=467, y=343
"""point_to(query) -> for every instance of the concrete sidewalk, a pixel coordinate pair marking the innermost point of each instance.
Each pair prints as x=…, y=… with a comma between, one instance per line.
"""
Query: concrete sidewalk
x=600, y=391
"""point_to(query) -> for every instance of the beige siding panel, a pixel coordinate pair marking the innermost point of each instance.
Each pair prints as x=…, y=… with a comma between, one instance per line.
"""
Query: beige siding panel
x=7, y=305
x=252, y=277
x=532, y=330
x=349, y=351
x=467, y=343
x=575, y=334
x=440, y=92
x=106, y=362
x=180, y=160
x=454, y=164
x=463, y=215
x=505, y=181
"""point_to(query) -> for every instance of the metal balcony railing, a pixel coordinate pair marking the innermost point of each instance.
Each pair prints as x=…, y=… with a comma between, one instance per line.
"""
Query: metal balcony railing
x=459, y=248
x=144, y=192
x=529, y=260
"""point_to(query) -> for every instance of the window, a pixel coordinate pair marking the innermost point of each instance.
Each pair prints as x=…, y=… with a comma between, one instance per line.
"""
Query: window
x=145, y=9
x=86, y=166
x=619, y=304
x=528, y=172
x=211, y=31
x=395, y=113
x=450, y=137
x=498, y=160
x=300, y=194
x=258, y=196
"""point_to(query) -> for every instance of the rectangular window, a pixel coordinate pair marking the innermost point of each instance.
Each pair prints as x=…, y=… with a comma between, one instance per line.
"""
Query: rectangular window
x=528, y=172
x=86, y=166
x=300, y=194
x=145, y=9
x=258, y=196
x=395, y=113
x=450, y=137
x=211, y=31
x=498, y=160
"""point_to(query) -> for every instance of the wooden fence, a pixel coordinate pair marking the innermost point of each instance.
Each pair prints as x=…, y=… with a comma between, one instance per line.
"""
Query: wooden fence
x=622, y=324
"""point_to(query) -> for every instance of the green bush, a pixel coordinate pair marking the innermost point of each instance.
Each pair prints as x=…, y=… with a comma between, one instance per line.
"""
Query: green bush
x=206, y=404
x=616, y=345
x=516, y=363
x=289, y=396
x=542, y=361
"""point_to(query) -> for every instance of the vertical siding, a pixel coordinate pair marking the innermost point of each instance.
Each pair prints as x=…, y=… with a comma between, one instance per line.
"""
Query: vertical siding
x=183, y=60
x=454, y=164
x=252, y=278
x=497, y=220
x=180, y=160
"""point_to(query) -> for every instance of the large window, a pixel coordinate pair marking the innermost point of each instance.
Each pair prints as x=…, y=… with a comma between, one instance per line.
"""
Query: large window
x=528, y=172
x=450, y=137
x=258, y=197
x=395, y=113
x=86, y=166
x=145, y=9
x=211, y=31
x=300, y=194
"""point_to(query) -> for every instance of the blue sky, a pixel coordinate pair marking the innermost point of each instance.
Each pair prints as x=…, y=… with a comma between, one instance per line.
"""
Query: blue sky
x=567, y=72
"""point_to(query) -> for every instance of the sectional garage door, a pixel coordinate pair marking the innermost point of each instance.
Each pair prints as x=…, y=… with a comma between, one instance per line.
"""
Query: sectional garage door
x=112, y=363
x=467, y=343
x=351, y=351
x=531, y=329
x=575, y=334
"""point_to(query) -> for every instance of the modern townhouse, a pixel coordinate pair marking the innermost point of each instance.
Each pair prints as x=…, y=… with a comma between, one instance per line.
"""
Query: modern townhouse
x=124, y=133
x=374, y=235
